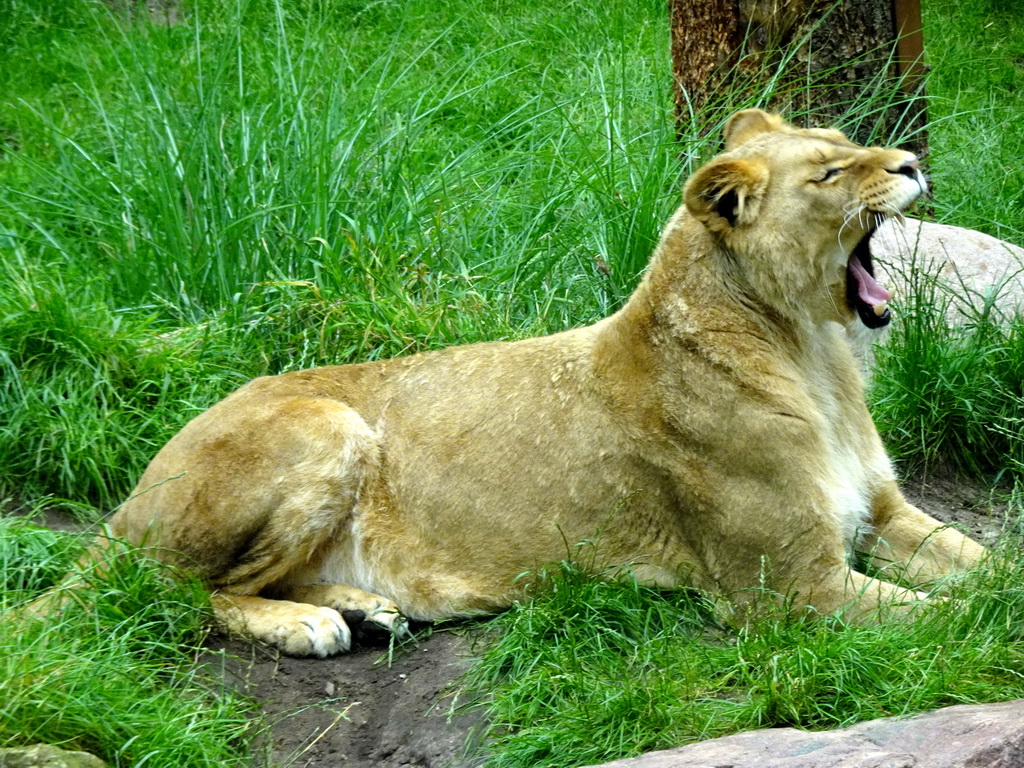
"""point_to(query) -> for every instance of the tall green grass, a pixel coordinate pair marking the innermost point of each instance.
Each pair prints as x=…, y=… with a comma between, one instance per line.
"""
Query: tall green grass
x=976, y=53
x=950, y=394
x=267, y=189
x=268, y=144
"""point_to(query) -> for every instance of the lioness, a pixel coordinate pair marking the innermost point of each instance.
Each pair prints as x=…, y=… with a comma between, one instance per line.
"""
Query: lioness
x=713, y=433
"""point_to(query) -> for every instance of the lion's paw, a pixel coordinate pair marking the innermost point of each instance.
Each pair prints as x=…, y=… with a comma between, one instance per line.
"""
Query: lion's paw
x=302, y=630
x=391, y=619
x=377, y=625
x=373, y=618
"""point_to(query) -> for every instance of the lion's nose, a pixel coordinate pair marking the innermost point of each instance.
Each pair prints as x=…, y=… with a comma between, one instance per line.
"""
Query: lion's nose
x=911, y=169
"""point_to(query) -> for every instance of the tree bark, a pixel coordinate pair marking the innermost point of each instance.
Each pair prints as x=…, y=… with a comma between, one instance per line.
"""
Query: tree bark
x=855, y=64
x=707, y=39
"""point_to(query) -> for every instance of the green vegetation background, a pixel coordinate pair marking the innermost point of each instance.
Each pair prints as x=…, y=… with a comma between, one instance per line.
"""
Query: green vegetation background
x=261, y=188
x=269, y=186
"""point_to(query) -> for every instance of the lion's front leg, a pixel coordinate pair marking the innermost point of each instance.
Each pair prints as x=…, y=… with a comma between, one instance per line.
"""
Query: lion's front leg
x=800, y=554
x=858, y=598
x=923, y=548
x=835, y=589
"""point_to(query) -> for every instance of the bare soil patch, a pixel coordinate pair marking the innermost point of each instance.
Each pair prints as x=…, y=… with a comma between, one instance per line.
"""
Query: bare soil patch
x=362, y=708
x=974, y=507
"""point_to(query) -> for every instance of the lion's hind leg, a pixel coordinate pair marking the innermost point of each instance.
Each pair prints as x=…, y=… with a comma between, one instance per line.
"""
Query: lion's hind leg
x=296, y=629
x=265, y=487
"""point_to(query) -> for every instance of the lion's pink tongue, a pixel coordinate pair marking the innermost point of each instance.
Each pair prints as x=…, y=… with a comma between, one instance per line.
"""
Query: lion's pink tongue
x=869, y=291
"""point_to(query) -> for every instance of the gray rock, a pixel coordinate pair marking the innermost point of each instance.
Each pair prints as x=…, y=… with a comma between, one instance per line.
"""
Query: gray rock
x=45, y=756
x=979, y=736
x=968, y=266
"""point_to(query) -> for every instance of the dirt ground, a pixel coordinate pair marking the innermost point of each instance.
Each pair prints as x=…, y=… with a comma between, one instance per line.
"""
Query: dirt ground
x=359, y=709
x=979, y=511
x=364, y=709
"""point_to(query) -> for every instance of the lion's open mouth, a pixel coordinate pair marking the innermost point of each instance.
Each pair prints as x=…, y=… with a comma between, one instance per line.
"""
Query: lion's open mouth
x=863, y=293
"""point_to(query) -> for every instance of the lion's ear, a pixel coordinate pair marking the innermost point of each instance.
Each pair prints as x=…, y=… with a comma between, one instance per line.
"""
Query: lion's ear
x=726, y=193
x=747, y=124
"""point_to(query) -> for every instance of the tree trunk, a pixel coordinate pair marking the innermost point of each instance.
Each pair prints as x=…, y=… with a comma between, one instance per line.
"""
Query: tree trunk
x=855, y=64
x=707, y=38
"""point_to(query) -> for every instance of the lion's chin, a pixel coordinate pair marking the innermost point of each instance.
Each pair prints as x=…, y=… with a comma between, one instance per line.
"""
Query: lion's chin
x=865, y=296
x=862, y=339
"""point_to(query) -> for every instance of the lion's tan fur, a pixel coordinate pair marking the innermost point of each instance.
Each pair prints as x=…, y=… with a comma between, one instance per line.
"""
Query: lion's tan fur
x=713, y=432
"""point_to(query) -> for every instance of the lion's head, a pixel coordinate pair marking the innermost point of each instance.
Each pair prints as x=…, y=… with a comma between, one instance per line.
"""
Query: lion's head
x=794, y=209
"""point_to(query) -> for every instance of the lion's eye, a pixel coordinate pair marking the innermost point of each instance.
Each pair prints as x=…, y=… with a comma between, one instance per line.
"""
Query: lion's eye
x=829, y=174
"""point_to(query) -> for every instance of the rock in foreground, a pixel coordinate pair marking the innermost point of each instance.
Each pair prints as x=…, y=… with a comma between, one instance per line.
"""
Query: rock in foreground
x=45, y=756
x=979, y=736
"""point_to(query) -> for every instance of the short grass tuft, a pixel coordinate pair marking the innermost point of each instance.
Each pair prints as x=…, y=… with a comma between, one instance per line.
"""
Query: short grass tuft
x=590, y=671
x=950, y=393
x=113, y=673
